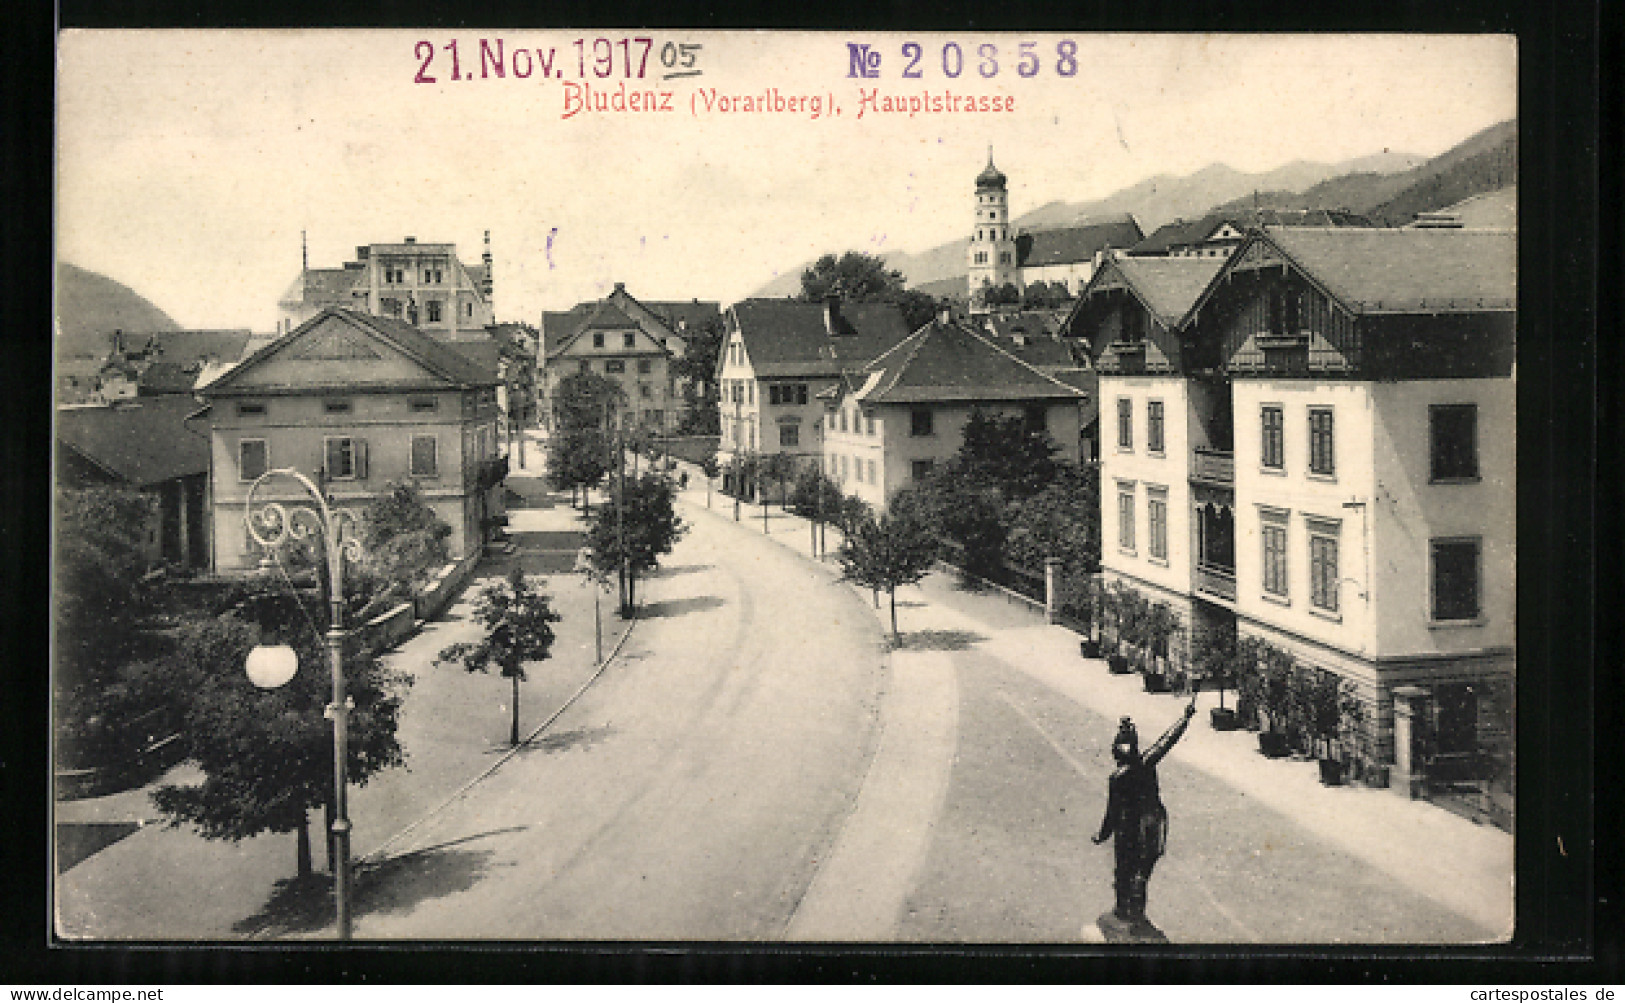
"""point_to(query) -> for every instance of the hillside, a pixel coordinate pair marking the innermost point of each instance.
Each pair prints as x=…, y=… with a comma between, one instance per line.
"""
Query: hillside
x=1152, y=202
x=90, y=306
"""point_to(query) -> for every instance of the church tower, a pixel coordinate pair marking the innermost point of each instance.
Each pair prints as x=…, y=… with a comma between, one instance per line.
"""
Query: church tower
x=991, y=259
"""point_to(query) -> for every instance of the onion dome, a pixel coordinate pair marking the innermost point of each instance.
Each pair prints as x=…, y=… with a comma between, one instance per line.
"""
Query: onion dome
x=991, y=177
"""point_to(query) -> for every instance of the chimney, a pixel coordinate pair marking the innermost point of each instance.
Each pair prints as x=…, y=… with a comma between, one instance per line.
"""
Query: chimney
x=832, y=315
x=620, y=287
x=411, y=240
x=361, y=252
x=945, y=315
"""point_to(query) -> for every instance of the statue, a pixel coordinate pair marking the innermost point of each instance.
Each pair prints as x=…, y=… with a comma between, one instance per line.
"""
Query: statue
x=1136, y=817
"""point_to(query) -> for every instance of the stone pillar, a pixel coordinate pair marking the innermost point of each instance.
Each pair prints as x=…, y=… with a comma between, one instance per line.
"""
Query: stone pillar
x=1410, y=716
x=1052, y=588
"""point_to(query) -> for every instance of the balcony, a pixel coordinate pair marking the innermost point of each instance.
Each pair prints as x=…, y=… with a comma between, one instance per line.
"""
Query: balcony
x=1213, y=466
x=1215, y=581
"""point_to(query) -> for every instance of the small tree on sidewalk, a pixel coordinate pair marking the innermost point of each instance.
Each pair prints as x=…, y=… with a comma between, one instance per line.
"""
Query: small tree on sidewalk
x=633, y=529
x=887, y=552
x=518, y=622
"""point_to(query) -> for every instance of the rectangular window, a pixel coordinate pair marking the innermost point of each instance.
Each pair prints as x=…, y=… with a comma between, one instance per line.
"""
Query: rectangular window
x=1125, y=423
x=868, y=424
x=1273, y=446
x=920, y=421
x=615, y=365
x=801, y=394
x=750, y=392
x=598, y=339
x=857, y=468
x=871, y=464
x=1323, y=579
x=250, y=410
x=425, y=456
x=1453, y=435
x=1321, y=459
x=586, y=366
x=789, y=436
x=1157, y=516
x=253, y=458
x=1153, y=426
x=434, y=311
x=920, y=469
x=646, y=366
x=843, y=466
x=340, y=459
x=645, y=391
x=336, y=407
x=1125, y=517
x=1455, y=579
x=1275, y=576
x=425, y=404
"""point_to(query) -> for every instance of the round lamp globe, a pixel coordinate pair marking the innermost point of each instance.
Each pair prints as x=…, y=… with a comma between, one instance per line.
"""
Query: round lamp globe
x=272, y=665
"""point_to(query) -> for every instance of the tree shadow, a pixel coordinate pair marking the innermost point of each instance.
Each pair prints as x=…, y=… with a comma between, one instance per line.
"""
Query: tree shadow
x=300, y=906
x=678, y=607
x=79, y=841
x=580, y=738
x=934, y=640
x=682, y=569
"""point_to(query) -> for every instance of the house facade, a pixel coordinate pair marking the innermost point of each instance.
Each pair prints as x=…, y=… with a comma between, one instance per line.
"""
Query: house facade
x=1319, y=453
x=887, y=426
x=632, y=343
x=355, y=402
x=779, y=356
x=424, y=284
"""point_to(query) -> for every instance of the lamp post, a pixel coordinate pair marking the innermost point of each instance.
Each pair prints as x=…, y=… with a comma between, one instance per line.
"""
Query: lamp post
x=273, y=525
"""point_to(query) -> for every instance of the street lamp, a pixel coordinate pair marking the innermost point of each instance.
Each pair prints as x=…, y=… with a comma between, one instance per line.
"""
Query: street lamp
x=271, y=666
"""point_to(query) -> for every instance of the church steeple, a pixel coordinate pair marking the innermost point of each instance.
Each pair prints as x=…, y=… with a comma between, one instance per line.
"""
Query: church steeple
x=991, y=259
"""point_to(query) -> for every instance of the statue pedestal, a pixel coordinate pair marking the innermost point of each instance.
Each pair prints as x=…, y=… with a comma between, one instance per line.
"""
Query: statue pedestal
x=1112, y=930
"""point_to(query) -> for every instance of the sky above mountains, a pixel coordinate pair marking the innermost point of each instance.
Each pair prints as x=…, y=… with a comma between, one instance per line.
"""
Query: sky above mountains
x=189, y=163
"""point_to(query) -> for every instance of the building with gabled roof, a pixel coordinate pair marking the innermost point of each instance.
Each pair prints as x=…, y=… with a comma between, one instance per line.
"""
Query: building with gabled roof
x=778, y=355
x=887, y=425
x=425, y=284
x=356, y=402
x=148, y=445
x=1497, y=210
x=627, y=341
x=1318, y=454
x=1220, y=232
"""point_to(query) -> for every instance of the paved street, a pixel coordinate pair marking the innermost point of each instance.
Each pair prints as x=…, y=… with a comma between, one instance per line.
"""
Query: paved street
x=757, y=764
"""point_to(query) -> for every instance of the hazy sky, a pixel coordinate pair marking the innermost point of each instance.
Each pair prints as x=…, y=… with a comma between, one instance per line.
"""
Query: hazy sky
x=189, y=162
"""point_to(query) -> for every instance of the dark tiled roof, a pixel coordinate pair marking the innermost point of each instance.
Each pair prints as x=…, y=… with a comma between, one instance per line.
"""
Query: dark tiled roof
x=787, y=337
x=561, y=325
x=951, y=362
x=1407, y=270
x=141, y=443
x=435, y=356
x=1167, y=286
x=1497, y=210
x=1186, y=233
x=693, y=313
x=1075, y=243
x=169, y=378
x=324, y=287
x=609, y=316
x=991, y=177
x=486, y=354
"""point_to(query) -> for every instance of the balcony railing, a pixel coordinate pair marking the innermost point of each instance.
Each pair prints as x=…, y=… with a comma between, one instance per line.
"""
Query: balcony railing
x=1216, y=581
x=1215, y=466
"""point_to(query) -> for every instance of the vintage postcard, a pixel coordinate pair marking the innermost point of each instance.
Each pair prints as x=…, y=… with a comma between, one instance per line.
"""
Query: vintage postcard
x=740, y=486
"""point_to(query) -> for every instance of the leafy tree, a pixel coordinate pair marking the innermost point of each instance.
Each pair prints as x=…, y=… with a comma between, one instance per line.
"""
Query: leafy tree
x=1009, y=453
x=883, y=553
x=815, y=496
x=518, y=621
x=853, y=276
x=266, y=755
x=1001, y=295
x=1063, y=522
x=969, y=514
x=581, y=399
x=697, y=369
x=779, y=468
x=577, y=459
x=864, y=278
x=639, y=524
x=403, y=542
x=100, y=559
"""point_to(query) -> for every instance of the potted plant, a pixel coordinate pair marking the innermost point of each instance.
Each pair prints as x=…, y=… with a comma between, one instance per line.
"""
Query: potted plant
x=1119, y=612
x=1321, y=699
x=1274, y=701
x=1217, y=664
x=1159, y=626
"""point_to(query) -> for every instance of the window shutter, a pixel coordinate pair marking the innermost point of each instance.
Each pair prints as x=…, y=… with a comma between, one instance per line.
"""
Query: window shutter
x=361, y=459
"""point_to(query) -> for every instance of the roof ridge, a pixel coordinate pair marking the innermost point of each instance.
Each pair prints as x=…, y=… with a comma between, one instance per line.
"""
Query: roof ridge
x=1025, y=365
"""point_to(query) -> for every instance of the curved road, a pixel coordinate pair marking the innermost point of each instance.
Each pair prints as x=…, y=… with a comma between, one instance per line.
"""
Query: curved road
x=690, y=794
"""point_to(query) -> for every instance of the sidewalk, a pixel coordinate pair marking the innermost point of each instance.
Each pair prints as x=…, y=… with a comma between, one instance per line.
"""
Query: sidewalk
x=1460, y=865
x=151, y=882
